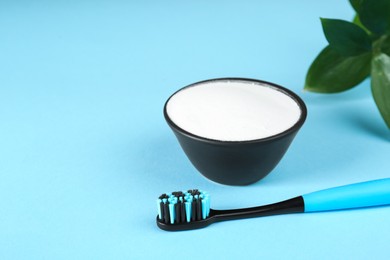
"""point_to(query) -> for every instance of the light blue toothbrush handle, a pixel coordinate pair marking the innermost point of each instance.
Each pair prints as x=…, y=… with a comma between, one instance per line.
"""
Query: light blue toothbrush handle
x=364, y=194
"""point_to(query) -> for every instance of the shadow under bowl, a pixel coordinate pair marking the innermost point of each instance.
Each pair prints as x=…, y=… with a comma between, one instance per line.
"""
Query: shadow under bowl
x=237, y=162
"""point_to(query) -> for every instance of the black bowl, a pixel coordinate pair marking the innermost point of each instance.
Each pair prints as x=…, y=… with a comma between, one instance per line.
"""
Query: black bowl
x=237, y=162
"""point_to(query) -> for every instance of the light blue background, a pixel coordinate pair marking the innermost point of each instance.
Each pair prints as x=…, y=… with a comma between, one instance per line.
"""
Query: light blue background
x=85, y=150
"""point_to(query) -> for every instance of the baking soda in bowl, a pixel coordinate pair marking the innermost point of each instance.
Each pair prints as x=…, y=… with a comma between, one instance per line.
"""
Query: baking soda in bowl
x=233, y=110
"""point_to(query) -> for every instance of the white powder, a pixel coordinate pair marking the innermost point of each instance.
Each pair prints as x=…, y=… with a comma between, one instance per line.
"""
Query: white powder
x=233, y=110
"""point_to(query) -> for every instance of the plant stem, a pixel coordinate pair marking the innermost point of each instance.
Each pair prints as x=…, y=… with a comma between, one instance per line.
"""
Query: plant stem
x=377, y=45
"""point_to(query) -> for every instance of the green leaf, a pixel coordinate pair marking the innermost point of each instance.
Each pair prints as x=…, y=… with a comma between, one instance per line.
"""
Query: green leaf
x=375, y=15
x=385, y=46
x=380, y=85
x=356, y=20
x=331, y=72
x=356, y=4
x=345, y=37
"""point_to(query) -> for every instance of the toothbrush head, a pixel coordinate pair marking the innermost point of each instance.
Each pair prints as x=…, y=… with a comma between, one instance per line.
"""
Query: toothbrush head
x=183, y=210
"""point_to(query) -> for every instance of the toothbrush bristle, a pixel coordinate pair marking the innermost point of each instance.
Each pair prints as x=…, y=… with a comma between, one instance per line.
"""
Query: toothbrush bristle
x=182, y=207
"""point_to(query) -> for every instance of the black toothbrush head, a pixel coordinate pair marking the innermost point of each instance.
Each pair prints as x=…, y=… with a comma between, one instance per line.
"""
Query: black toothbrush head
x=184, y=210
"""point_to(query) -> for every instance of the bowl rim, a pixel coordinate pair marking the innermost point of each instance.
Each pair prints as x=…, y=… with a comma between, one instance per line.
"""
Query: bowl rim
x=286, y=91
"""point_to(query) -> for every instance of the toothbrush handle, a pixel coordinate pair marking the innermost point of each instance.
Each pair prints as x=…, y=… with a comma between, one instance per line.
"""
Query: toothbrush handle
x=364, y=194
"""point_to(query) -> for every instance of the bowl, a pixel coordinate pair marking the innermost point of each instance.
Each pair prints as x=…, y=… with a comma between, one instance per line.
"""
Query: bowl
x=230, y=160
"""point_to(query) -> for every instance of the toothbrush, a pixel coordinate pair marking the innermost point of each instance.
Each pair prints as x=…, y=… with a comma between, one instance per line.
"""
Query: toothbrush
x=191, y=209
